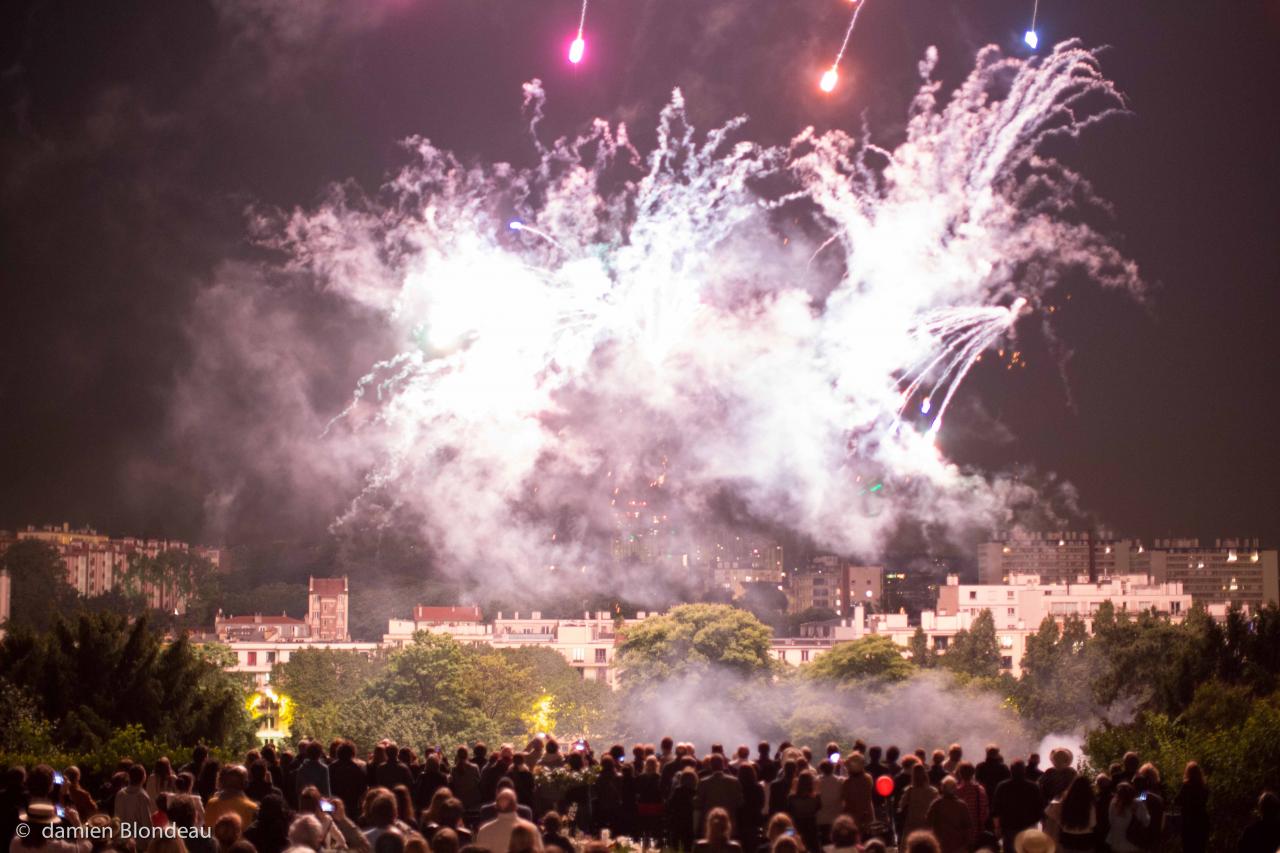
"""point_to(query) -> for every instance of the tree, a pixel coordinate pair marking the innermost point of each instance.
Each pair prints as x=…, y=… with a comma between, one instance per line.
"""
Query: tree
x=922, y=654
x=872, y=658
x=573, y=704
x=1227, y=730
x=433, y=672
x=366, y=720
x=242, y=592
x=38, y=589
x=314, y=677
x=976, y=652
x=693, y=639
x=1057, y=669
x=101, y=673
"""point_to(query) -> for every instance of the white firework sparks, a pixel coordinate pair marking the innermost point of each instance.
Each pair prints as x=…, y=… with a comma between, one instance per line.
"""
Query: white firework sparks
x=604, y=310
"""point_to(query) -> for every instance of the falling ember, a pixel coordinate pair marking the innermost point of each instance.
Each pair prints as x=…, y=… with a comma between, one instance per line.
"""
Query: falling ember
x=832, y=75
x=924, y=406
x=578, y=47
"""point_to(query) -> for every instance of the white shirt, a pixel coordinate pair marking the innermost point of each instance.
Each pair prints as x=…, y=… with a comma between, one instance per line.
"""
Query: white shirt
x=496, y=834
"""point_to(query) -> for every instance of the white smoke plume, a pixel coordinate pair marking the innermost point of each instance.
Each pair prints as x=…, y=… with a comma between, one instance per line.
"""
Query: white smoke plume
x=930, y=710
x=608, y=341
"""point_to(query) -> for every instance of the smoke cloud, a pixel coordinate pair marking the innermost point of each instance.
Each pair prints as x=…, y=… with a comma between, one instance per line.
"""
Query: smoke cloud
x=614, y=341
x=930, y=710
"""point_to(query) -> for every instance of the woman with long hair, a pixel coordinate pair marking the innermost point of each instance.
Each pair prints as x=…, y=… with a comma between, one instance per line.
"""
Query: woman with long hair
x=913, y=808
x=718, y=837
x=432, y=816
x=649, y=805
x=404, y=806
x=680, y=809
x=751, y=814
x=803, y=806
x=1072, y=819
x=161, y=780
x=269, y=832
x=207, y=784
x=608, y=795
x=1126, y=810
x=1193, y=803
x=779, y=827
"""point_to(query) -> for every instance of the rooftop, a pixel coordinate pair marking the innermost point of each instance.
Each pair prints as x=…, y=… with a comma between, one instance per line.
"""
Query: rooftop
x=423, y=613
x=329, y=586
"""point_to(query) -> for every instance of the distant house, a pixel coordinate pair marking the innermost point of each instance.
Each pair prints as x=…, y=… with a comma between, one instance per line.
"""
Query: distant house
x=259, y=627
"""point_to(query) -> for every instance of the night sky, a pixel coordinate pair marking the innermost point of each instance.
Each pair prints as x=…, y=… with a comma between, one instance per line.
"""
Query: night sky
x=135, y=136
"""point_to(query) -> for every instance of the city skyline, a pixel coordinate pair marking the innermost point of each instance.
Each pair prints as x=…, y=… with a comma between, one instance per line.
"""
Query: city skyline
x=95, y=435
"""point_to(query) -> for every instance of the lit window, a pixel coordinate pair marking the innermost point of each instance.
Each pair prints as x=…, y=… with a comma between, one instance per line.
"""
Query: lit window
x=579, y=655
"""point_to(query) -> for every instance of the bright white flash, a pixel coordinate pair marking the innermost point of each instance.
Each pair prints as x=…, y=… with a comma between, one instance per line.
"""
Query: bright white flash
x=829, y=79
x=671, y=323
x=576, y=50
x=1032, y=40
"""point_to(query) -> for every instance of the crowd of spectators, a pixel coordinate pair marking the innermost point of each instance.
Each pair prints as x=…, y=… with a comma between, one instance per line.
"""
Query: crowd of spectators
x=784, y=800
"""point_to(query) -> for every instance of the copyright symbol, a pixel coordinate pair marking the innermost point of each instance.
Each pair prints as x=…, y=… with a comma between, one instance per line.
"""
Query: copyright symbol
x=23, y=830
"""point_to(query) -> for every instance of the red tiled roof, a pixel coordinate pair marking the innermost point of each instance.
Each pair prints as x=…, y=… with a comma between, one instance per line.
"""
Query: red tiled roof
x=328, y=586
x=259, y=619
x=422, y=613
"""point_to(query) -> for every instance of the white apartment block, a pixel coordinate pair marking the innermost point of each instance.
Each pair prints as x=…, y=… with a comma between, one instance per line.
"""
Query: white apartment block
x=1025, y=600
x=1017, y=609
x=589, y=644
x=257, y=657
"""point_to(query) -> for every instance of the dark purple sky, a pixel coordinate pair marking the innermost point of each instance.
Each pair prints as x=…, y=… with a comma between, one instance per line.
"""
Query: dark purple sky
x=135, y=133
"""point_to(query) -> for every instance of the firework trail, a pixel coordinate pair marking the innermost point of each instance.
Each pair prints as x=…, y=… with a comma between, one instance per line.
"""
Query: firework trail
x=832, y=75
x=608, y=323
x=1030, y=36
x=578, y=47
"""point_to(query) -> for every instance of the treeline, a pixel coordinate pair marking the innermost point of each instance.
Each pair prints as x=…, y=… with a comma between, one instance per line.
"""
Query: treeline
x=99, y=686
x=436, y=690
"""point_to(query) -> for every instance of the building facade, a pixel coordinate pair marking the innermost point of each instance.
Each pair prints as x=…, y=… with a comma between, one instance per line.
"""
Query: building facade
x=97, y=564
x=1232, y=572
x=259, y=628
x=589, y=644
x=836, y=585
x=257, y=657
x=327, y=609
x=1025, y=600
x=1017, y=608
x=1058, y=556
